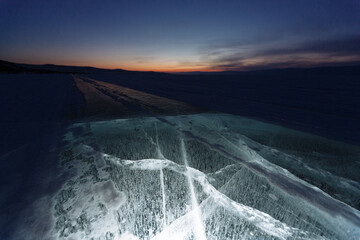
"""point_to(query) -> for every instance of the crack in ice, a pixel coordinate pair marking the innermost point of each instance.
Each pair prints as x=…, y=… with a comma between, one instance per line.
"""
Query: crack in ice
x=261, y=220
x=199, y=229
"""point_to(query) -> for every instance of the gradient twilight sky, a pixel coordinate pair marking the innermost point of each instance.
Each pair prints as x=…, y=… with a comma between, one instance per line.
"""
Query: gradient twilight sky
x=169, y=35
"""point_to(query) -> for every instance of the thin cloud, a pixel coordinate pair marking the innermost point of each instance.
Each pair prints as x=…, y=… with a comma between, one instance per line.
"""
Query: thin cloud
x=345, y=46
x=243, y=56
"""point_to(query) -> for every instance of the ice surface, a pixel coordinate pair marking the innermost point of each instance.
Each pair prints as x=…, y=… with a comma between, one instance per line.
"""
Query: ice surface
x=203, y=176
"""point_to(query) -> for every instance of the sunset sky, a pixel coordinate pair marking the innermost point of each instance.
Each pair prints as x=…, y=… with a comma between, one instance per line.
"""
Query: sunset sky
x=198, y=35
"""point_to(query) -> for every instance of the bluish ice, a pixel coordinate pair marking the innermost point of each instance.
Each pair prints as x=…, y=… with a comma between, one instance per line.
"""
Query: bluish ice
x=199, y=176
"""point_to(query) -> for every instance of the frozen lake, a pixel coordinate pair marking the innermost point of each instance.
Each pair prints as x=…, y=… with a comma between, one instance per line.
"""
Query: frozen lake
x=106, y=161
x=200, y=176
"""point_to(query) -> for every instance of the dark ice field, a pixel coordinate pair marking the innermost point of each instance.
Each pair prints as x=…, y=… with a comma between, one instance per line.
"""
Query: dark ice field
x=263, y=155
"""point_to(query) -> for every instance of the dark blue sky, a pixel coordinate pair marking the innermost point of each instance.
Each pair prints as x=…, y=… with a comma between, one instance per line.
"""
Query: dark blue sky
x=181, y=35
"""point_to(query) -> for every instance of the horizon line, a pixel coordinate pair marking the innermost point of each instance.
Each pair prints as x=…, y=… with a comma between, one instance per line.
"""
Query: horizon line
x=325, y=65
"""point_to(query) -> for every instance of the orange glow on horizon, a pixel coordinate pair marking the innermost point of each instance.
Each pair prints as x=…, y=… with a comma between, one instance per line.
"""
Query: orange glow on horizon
x=169, y=69
x=174, y=66
x=154, y=67
x=158, y=68
x=146, y=67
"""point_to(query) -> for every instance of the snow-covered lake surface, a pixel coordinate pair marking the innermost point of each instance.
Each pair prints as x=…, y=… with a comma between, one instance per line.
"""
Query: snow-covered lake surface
x=199, y=176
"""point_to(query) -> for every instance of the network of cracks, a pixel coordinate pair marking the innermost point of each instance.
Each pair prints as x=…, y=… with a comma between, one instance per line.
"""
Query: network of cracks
x=204, y=176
